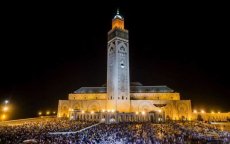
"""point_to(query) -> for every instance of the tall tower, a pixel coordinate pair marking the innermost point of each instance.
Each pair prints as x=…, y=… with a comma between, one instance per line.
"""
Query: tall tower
x=118, y=82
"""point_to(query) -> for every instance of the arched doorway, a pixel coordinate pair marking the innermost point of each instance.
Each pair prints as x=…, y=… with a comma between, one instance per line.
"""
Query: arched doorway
x=152, y=117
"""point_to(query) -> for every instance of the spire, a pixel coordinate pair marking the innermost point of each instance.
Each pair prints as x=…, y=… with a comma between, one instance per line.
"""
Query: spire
x=118, y=11
x=118, y=21
x=118, y=15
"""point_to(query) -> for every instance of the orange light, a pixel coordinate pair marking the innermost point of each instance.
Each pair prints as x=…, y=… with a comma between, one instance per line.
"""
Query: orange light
x=48, y=112
x=39, y=113
x=143, y=113
x=202, y=111
x=194, y=111
x=117, y=23
x=5, y=108
x=3, y=116
x=70, y=109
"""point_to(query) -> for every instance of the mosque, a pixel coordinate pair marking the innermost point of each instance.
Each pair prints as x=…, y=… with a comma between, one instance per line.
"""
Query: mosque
x=119, y=99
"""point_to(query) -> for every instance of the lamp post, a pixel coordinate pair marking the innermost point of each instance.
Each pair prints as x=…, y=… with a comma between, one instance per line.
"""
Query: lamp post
x=4, y=109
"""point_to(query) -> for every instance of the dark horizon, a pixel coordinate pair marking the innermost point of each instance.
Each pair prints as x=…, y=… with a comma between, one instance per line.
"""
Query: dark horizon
x=49, y=52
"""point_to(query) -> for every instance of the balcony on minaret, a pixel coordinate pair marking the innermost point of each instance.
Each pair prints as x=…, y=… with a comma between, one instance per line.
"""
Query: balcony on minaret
x=118, y=21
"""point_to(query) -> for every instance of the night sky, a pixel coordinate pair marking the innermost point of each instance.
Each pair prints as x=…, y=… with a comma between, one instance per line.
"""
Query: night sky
x=50, y=50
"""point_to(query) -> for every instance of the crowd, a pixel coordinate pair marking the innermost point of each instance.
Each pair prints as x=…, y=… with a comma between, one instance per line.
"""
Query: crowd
x=121, y=133
x=148, y=133
x=38, y=129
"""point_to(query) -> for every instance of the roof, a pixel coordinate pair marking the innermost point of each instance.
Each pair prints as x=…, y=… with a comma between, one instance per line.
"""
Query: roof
x=148, y=89
x=133, y=89
x=136, y=84
x=118, y=16
x=91, y=90
x=131, y=84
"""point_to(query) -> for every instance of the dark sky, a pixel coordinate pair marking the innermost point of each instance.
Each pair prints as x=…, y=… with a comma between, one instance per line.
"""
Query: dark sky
x=50, y=50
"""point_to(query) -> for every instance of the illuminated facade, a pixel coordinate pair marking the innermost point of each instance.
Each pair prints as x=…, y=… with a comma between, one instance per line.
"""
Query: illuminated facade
x=121, y=100
x=212, y=116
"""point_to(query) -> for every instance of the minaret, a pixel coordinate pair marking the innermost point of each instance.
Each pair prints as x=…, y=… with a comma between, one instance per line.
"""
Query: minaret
x=118, y=89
